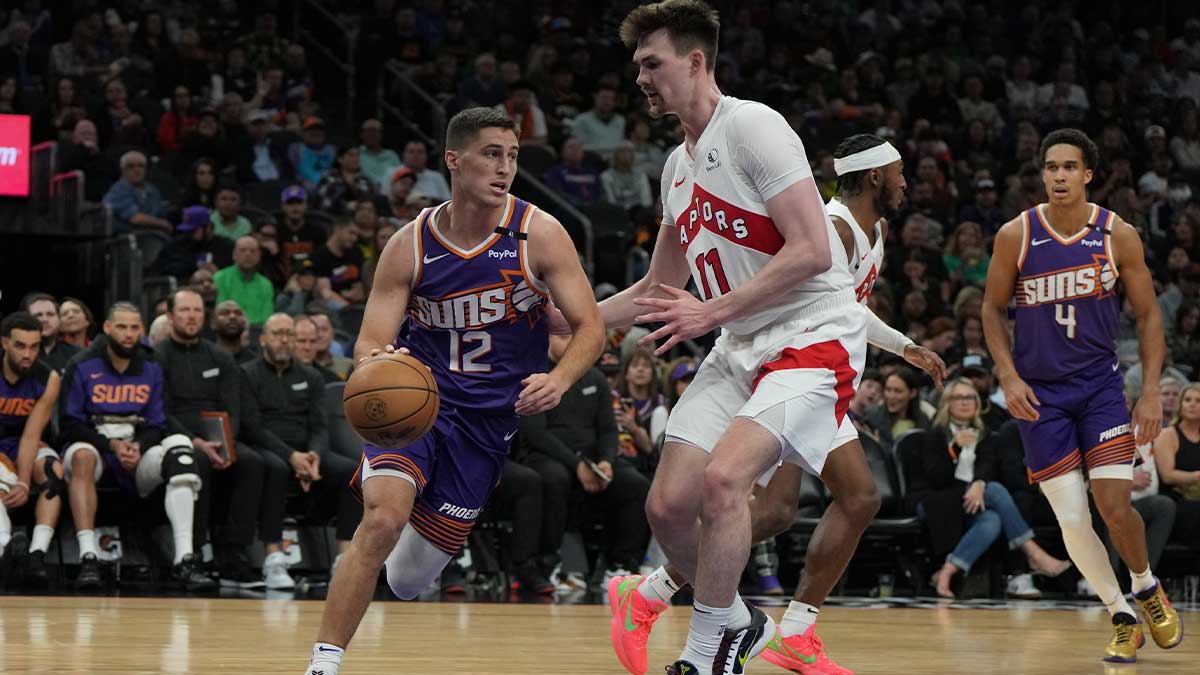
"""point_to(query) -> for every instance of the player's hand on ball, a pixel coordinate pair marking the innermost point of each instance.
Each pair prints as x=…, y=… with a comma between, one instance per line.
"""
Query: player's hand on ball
x=1147, y=418
x=928, y=361
x=684, y=314
x=1020, y=399
x=542, y=392
x=387, y=349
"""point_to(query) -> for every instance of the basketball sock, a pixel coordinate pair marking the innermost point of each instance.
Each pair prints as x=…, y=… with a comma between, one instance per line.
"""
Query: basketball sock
x=1141, y=582
x=798, y=617
x=707, y=630
x=1068, y=497
x=658, y=586
x=5, y=528
x=87, y=543
x=179, y=504
x=42, y=534
x=326, y=659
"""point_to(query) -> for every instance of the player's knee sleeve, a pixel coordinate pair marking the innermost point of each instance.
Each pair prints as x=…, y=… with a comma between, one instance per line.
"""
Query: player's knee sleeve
x=413, y=565
x=179, y=463
x=1067, y=495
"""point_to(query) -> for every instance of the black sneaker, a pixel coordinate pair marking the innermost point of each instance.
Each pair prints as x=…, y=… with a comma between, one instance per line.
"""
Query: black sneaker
x=11, y=556
x=741, y=645
x=235, y=572
x=682, y=667
x=531, y=579
x=189, y=573
x=33, y=568
x=89, y=578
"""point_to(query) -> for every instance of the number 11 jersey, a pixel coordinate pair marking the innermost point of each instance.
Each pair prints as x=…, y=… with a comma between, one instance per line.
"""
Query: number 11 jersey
x=1067, y=305
x=717, y=200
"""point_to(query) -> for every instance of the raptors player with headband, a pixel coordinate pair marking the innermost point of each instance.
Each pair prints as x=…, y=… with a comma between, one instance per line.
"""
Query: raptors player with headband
x=1061, y=261
x=870, y=185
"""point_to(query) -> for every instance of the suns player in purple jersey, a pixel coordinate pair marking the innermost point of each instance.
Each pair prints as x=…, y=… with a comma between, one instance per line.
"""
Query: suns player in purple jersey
x=28, y=392
x=463, y=288
x=1060, y=261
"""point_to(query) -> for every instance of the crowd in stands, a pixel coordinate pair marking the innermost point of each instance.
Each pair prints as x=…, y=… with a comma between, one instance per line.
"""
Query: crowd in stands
x=210, y=128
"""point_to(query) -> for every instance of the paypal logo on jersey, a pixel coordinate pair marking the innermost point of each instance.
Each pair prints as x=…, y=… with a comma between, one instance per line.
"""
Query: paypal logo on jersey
x=1097, y=243
x=510, y=253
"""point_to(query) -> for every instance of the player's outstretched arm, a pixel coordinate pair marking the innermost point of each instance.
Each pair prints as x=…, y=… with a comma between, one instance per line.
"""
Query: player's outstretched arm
x=1002, y=277
x=389, y=296
x=1130, y=261
x=553, y=259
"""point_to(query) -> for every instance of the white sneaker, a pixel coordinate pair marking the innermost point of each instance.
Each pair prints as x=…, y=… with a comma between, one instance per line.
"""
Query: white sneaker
x=1021, y=586
x=275, y=573
x=1085, y=589
x=566, y=583
x=614, y=572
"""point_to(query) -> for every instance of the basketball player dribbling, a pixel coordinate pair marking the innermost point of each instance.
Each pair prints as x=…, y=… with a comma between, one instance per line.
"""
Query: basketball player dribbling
x=1061, y=380
x=470, y=294
x=870, y=185
x=743, y=218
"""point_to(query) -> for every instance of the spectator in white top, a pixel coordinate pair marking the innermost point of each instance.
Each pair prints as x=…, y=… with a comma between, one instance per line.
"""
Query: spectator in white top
x=375, y=161
x=625, y=186
x=1189, y=42
x=600, y=129
x=1064, y=85
x=1185, y=147
x=1187, y=80
x=1154, y=183
x=429, y=182
x=973, y=106
x=1022, y=91
x=522, y=107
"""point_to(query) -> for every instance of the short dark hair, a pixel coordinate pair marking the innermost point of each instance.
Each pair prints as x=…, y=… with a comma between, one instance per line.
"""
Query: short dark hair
x=36, y=296
x=690, y=24
x=176, y=292
x=1075, y=137
x=466, y=125
x=20, y=321
x=124, y=306
x=851, y=184
x=229, y=186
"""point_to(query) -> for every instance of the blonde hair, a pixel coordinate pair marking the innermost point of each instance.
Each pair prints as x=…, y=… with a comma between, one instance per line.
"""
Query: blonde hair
x=942, y=418
x=952, y=242
x=1190, y=386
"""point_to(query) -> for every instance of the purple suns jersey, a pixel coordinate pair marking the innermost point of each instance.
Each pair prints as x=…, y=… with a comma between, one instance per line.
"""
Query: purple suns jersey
x=475, y=317
x=1067, y=306
x=17, y=401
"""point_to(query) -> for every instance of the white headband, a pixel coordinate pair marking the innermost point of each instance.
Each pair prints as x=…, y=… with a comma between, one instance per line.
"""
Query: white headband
x=871, y=158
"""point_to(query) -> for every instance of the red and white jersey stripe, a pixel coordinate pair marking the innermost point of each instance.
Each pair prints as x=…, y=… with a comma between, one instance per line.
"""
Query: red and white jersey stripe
x=746, y=155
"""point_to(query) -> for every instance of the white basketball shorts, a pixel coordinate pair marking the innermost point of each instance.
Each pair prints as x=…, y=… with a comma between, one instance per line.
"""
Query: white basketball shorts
x=795, y=378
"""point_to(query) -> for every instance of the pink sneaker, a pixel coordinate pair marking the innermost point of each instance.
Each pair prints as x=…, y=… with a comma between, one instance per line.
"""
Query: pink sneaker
x=632, y=618
x=804, y=654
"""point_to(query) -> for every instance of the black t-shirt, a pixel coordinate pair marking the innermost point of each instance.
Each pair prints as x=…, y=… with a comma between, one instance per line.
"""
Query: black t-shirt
x=302, y=243
x=343, y=271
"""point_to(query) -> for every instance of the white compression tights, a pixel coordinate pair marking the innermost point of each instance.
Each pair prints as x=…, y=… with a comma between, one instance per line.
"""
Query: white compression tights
x=1068, y=497
x=413, y=564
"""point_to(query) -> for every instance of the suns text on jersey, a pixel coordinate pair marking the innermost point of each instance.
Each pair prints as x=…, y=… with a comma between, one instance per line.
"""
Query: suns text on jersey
x=1069, y=284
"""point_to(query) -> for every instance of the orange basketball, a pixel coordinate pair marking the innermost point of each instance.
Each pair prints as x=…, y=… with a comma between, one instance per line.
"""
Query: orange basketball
x=391, y=400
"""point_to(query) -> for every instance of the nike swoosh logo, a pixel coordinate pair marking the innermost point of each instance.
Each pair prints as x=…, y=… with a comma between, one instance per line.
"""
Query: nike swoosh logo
x=434, y=259
x=797, y=655
x=680, y=181
x=864, y=257
x=1116, y=365
x=509, y=435
x=97, y=375
x=1039, y=242
x=323, y=649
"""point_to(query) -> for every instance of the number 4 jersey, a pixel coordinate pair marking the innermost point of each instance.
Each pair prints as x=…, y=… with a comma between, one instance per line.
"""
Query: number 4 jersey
x=1067, y=306
x=717, y=199
x=475, y=317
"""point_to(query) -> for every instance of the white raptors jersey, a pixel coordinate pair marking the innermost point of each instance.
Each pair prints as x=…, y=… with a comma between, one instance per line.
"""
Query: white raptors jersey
x=746, y=155
x=865, y=260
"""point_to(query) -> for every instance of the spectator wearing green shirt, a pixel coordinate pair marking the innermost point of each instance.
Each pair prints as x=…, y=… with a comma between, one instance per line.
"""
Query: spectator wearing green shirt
x=374, y=160
x=242, y=283
x=227, y=221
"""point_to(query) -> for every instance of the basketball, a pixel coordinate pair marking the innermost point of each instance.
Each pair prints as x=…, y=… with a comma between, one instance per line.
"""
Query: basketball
x=391, y=400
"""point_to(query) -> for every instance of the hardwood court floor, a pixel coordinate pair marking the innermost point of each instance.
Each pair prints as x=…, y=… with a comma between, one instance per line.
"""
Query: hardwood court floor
x=51, y=635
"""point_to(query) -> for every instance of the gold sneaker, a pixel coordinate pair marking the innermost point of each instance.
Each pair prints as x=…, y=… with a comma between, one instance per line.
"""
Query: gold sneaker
x=1127, y=637
x=1165, y=625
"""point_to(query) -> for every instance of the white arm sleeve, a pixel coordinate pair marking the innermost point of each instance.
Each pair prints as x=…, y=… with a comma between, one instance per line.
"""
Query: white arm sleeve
x=766, y=150
x=884, y=336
